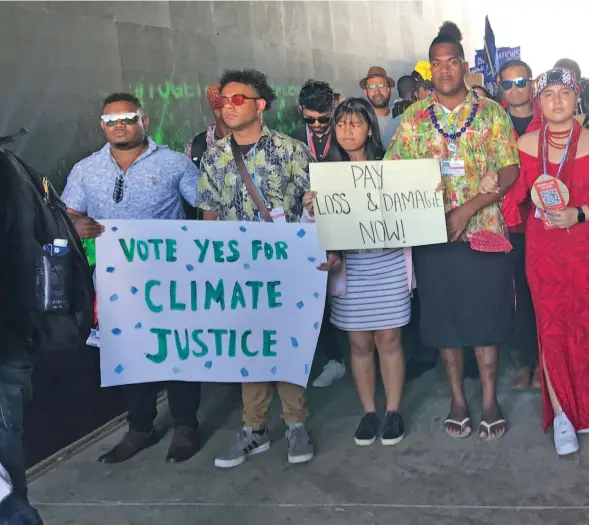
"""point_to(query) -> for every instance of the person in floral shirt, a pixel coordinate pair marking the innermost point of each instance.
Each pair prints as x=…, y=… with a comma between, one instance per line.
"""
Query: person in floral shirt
x=465, y=285
x=279, y=168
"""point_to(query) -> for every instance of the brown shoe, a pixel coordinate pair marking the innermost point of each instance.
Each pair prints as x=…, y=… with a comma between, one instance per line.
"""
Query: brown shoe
x=185, y=444
x=521, y=379
x=131, y=444
x=537, y=378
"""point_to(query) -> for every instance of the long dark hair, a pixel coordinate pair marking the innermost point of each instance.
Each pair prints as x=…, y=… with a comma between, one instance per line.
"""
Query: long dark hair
x=373, y=149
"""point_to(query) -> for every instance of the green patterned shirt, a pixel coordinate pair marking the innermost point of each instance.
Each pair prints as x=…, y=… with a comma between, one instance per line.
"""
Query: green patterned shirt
x=281, y=173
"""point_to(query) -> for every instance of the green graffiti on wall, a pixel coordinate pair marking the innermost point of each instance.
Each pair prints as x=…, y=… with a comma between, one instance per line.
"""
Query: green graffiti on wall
x=178, y=110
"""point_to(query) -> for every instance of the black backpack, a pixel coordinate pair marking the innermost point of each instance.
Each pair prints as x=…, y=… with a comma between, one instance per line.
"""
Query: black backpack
x=33, y=215
x=198, y=147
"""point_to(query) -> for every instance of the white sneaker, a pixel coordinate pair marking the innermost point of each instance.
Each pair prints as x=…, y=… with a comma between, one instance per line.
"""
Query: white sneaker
x=332, y=371
x=565, y=438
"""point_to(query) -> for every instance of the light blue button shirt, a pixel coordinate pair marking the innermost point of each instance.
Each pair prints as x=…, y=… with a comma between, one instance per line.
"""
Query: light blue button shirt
x=153, y=185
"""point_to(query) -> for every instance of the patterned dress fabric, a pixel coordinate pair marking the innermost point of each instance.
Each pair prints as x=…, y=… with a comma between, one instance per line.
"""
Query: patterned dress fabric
x=278, y=164
x=487, y=145
x=557, y=267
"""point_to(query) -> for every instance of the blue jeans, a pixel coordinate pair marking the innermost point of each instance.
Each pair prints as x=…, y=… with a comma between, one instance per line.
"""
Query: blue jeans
x=15, y=392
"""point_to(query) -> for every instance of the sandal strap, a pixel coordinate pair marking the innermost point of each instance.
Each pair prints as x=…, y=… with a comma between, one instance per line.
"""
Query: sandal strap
x=460, y=424
x=489, y=426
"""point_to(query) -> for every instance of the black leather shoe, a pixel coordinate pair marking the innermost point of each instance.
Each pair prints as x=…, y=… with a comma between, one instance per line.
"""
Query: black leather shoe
x=131, y=444
x=185, y=444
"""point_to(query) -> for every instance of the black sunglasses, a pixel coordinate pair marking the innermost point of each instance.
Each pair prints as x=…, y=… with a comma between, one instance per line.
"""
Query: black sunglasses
x=322, y=120
x=518, y=82
x=117, y=194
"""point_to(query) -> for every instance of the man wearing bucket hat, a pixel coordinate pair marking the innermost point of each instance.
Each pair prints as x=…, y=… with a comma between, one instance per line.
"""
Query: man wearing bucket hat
x=378, y=88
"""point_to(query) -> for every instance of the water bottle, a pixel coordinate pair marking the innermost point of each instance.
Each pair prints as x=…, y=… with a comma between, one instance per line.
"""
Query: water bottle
x=60, y=246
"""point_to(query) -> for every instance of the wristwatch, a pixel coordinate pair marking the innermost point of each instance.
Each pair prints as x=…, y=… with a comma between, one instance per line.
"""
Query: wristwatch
x=580, y=215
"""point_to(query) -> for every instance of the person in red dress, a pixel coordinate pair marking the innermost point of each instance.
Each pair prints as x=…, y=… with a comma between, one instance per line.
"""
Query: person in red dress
x=557, y=255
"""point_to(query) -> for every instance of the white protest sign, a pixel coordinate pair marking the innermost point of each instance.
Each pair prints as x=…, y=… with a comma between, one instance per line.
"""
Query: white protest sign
x=208, y=301
x=378, y=204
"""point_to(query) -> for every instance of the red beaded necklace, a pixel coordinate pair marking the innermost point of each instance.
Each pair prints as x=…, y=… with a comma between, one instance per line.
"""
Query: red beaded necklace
x=571, y=152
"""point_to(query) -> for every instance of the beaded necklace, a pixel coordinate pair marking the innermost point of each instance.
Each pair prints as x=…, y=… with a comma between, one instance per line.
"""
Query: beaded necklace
x=456, y=134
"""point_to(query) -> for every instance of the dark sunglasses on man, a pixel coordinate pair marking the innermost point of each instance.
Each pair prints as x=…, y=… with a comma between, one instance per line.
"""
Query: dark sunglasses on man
x=235, y=100
x=517, y=82
x=127, y=119
x=322, y=120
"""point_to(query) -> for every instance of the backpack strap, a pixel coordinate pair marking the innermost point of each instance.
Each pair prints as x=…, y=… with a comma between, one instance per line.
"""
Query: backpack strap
x=198, y=148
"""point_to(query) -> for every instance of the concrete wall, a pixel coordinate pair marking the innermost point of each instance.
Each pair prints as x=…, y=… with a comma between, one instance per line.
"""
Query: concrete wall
x=59, y=59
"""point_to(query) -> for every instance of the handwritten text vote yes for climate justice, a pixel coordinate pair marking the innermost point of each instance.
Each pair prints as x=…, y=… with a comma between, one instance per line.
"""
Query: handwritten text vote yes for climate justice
x=206, y=295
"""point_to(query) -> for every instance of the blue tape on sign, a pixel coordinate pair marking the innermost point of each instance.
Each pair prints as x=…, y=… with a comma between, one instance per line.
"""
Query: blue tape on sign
x=312, y=259
x=294, y=342
x=244, y=372
x=300, y=304
x=242, y=228
x=138, y=325
x=246, y=266
x=301, y=233
x=316, y=295
x=114, y=229
x=134, y=290
x=176, y=370
x=110, y=269
x=273, y=370
x=316, y=326
x=113, y=297
x=306, y=370
x=119, y=369
x=208, y=365
x=116, y=331
x=184, y=228
x=189, y=267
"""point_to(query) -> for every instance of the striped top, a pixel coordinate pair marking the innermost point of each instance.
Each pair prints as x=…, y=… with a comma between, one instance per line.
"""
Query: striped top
x=378, y=296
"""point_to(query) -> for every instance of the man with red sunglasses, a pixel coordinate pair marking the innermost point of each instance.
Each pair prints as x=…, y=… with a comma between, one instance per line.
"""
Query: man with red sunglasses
x=257, y=174
x=515, y=84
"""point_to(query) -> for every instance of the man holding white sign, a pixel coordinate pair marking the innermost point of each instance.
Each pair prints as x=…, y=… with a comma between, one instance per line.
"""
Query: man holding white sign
x=257, y=175
x=466, y=285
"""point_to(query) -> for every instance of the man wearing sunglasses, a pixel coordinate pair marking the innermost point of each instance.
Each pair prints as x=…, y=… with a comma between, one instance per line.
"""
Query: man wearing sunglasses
x=515, y=84
x=316, y=105
x=132, y=177
x=257, y=174
x=378, y=88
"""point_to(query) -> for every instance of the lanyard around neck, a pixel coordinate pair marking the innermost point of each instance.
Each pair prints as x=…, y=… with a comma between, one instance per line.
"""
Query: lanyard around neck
x=311, y=144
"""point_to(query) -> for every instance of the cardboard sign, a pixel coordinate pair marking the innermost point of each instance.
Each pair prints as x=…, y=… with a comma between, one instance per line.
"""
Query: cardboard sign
x=378, y=204
x=208, y=301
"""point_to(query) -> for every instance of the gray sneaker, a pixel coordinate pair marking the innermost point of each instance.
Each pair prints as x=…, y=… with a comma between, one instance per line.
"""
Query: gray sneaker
x=246, y=444
x=300, y=448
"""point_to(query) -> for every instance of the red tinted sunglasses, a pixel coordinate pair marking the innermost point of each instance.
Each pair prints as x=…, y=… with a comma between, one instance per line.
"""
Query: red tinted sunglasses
x=235, y=100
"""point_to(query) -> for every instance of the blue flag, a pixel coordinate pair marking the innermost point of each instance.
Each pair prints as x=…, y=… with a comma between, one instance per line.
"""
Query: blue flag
x=490, y=57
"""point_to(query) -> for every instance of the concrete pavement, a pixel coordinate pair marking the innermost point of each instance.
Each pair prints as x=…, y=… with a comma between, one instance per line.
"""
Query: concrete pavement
x=427, y=479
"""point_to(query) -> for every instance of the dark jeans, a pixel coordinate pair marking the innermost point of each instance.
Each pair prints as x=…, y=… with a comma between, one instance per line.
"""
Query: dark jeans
x=524, y=342
x=183, y=400
x=329, y=337
x=15, y=391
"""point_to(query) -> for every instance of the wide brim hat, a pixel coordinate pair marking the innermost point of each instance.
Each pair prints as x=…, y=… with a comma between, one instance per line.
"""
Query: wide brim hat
x=376, y=71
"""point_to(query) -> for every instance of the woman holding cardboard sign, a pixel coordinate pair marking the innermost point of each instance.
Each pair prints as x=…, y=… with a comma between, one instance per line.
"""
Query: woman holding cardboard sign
x=376, y=302
x=555, y=172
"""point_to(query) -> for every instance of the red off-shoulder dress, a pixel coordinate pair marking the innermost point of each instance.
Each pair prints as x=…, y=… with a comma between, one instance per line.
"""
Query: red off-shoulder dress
x=557, y=268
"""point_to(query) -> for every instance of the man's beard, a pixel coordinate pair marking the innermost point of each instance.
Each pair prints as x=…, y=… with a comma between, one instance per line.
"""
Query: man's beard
x=380, y=105
x=124, y=146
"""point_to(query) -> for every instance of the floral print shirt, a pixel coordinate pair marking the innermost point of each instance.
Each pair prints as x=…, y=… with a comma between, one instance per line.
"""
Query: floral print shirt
x=488, y=145
x=281, y=172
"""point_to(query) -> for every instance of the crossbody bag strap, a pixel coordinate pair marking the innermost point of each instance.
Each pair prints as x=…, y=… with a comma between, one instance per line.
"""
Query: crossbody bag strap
x=249, y=183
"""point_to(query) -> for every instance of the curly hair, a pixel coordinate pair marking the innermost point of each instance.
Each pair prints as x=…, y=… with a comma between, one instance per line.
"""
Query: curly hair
x=449, y=33
x=253, y=78
x=122, y=97
x=316, y=96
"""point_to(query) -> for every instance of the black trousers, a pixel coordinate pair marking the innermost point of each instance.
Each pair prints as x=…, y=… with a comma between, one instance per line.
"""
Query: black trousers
x=183, y=400
x=412, y=345
x=329, y=337
x=524, y=341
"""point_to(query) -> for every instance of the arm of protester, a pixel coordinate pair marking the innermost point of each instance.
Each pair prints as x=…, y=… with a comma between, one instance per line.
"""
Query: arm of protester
x=188, y=183
x=489, y=183
x=298, y=184
x=210, y=198
x=75, y=198
x=333, y=263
